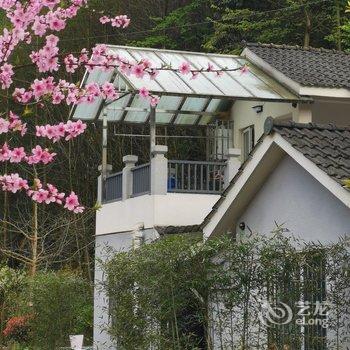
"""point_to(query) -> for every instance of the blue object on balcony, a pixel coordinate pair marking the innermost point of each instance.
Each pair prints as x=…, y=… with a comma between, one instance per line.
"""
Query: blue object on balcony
x=171, y=183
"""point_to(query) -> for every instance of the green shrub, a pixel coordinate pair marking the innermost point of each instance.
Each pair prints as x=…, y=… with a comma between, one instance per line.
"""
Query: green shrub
x=12, y=282
x=60, y=304
x=165, y=295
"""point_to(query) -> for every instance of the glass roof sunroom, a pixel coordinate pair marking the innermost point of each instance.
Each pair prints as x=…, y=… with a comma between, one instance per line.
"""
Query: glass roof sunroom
x=183, y=101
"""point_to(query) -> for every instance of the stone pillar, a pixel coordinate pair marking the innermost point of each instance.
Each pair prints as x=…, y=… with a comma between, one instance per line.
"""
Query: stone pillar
x=159, y=170
x=233, y=163
x=100, y=184
x=137, y=236
x=129, y=162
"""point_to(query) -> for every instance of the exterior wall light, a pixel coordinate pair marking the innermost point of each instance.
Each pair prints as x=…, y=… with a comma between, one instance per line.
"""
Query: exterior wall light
x=258, y=109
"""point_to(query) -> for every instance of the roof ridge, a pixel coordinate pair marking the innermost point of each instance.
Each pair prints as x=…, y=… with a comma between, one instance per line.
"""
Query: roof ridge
x=271, y=123
x=295, y=47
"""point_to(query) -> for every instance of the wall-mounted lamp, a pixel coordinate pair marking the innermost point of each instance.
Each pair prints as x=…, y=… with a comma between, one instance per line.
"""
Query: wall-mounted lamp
x=242, y=226
x=258, y=109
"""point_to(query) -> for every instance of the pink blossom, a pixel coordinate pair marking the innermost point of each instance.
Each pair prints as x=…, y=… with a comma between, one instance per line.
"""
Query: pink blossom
x=40, y=196
x=154, y=101
x=17, y=155
x=71, y=201
x=105, y=19
x=138, y=70
x=5, y=153
x=244, y=69
x=108, y=91
x=144, y=92
x=13, y=183
x=185, y=68
x=4, y=125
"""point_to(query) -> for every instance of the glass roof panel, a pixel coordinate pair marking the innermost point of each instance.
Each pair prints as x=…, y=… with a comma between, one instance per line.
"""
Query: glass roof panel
x=256, y=86
x=214, y=105
x=200, y=85
x=113, y=114
x=138, y=83
x=275, y=86
x=170, y=81
x=138, y=116
x=225, y=83
x=191, y=104
x=89, y=110
x=167, y=103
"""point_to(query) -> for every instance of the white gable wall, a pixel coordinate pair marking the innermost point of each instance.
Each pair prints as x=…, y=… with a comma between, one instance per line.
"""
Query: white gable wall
x=291, y=196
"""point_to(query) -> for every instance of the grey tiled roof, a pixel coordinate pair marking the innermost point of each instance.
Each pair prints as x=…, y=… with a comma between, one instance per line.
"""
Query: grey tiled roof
x=307, y=66
x=327, y=146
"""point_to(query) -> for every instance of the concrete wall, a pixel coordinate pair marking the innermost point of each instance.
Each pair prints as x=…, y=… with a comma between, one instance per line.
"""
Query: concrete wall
x=323, y=111
x=244, y=115
x=293, y=198
x=119, y=242
x=172, y=209
x=337, y=113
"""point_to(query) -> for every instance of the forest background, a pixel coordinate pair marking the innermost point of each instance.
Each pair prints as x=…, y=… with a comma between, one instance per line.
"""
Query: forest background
x=219, y=26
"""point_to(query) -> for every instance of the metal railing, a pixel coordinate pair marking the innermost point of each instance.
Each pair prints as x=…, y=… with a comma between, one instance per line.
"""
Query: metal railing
x=113, y=187
x=196, y=177
x=141, y=179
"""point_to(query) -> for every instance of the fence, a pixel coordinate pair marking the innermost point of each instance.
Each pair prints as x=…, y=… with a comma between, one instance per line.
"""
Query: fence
x=113, y=187
x=196, y=177
x=141, y=179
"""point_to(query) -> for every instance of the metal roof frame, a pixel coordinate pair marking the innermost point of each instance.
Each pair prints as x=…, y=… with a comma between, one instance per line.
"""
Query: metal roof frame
x=255, y=86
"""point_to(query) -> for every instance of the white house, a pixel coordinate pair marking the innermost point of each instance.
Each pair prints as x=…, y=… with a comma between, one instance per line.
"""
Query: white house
x=142, y=202
x=293, y=178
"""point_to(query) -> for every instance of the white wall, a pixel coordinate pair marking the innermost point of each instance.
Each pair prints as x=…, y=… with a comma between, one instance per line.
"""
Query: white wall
x=323, y=111
x=119, y=242
x=292, y=197
x=244, y=115
x=337, y=113
x=172, y=209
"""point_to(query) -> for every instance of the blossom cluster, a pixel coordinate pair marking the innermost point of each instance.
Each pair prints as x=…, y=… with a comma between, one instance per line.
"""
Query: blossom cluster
x=40, y=193
x=35, y=17
x=18, y=154
x=121, y=21
x=56, y=132
x=44, y=18
x=63, y=91
x=46, y=58
x=13, y=123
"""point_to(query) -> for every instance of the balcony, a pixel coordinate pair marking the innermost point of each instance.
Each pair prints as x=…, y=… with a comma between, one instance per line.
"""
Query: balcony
x=201, y=177
x=163, y=192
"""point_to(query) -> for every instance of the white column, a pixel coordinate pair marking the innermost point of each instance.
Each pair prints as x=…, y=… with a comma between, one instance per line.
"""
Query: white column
x=159, y=170
x=129, y=162
x=303, y=114
x=233, y=164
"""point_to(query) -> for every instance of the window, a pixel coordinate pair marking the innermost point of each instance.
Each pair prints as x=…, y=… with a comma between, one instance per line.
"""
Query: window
x=247, y=141
x=303, y=288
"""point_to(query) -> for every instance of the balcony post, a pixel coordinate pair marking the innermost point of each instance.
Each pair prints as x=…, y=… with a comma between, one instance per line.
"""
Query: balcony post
x=233, y=164
x=129, y=162
x=159, y=170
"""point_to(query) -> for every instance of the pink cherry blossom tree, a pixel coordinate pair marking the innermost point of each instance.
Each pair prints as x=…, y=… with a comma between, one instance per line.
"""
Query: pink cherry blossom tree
x=40, y=21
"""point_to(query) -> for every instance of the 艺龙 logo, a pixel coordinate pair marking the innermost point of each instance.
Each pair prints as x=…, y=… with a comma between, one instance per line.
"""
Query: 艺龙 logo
x=279, y=313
